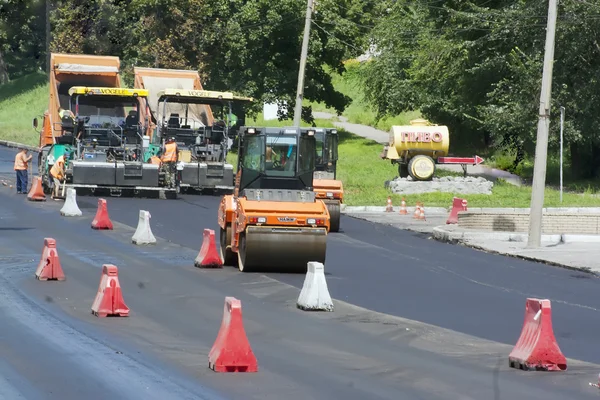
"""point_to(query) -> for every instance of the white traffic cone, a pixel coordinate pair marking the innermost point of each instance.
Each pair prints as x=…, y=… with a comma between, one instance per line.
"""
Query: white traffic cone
x=315, y=295
x=143, y=233
x=70, y=208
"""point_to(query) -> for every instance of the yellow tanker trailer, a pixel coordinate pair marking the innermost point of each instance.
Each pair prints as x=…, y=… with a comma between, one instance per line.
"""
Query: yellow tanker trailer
x=418, y=147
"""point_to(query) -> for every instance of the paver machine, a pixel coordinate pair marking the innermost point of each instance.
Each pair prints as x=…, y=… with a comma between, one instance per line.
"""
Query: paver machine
x=106, y=141
x=203, y=145
x=66, y=71
x=326, y=185
x=203, y=123
x=273, y=220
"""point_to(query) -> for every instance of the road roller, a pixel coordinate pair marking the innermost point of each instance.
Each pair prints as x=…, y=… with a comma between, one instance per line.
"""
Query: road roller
x=325, y=182
x=273, y=221
x=418, y=147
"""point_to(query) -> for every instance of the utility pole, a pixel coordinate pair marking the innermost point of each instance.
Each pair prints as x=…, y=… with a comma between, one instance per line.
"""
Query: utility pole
x=541, y=148
x=48, y=33
x=303, y=57
x=562, y=124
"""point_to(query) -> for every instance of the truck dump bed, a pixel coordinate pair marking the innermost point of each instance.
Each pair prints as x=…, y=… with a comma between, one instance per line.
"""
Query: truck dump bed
x=68, y=70
x=157, y=79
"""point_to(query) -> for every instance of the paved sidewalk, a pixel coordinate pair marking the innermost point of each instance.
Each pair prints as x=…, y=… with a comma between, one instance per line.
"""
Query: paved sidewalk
x=434, y=216
x=580, y=252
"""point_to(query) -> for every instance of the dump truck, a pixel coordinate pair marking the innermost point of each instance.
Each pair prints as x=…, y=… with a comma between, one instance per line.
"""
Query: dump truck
x=326, y=185
x=106, y=142
x=418, y=147
x=66, y=71
x=180, y=108
x=273, y=221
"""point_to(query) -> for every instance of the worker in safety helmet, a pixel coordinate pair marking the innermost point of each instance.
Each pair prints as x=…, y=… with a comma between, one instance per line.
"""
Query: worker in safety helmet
x=169, y=158
x=57, y=172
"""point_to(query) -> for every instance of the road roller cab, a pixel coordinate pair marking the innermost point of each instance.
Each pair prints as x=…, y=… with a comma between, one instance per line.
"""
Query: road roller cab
x=325, y=182
x=273, y=221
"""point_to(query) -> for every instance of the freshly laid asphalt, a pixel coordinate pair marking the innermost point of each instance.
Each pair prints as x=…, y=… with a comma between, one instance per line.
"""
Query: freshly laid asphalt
x=51, y=347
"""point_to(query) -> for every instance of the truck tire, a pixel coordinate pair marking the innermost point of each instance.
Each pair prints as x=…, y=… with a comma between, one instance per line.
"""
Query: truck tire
x=229, y=257
x=334, y=211
x=421, y=168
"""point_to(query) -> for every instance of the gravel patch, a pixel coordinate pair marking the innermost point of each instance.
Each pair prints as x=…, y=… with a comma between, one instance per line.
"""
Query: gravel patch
x=468, y=185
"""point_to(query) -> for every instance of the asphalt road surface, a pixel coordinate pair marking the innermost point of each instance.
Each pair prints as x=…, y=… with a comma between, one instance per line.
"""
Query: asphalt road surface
x=414, y=318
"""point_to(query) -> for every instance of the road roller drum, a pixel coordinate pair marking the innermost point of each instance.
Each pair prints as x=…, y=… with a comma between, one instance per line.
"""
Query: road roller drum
x=280, y=249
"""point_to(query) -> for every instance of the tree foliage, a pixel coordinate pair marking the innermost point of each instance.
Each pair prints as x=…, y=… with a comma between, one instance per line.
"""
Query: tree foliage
x=248, y=46
x=22, y=38
x=476, y=66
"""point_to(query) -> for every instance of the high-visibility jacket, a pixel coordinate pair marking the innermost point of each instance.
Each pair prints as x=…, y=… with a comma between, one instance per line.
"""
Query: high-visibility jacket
x=170, y=153
x=57, y=169
x=155, y=160
x=21, y=161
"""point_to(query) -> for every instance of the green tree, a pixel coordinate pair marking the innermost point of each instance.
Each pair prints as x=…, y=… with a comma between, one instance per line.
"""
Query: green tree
x=476, y=66
x=22, y=38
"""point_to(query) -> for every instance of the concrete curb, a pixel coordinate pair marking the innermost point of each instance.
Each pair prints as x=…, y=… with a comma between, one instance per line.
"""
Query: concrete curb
x=381, y=209
x=461, y=238
x=7, y=143
x=566, y=210
x=444, y=235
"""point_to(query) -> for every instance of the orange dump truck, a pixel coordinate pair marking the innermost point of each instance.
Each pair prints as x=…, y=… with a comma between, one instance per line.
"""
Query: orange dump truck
x=68, y=71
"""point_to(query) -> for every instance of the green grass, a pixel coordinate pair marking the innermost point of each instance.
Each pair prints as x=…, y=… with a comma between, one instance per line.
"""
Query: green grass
x=20, y=101
x=364, y=174
x=360, y=111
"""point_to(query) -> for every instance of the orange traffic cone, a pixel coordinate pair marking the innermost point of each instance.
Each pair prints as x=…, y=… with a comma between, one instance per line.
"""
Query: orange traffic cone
x=417, y=211
x=403, y=210
x=389, y=207
x=422, y=212
x=36, y=193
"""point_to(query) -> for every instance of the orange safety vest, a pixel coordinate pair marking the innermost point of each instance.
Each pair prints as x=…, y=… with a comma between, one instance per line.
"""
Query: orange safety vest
x=170, y=154
x=155, y=160
x=57, y=168
x=20, y=162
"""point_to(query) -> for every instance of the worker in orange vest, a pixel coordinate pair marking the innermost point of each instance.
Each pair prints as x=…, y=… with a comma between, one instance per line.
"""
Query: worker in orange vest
x=169, y=158
x=58, y=173
x=21, y=166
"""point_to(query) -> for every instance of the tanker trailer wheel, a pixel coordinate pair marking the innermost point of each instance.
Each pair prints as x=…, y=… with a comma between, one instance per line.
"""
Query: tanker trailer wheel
x=421, y=168
x=228, y=256
x=242, y=253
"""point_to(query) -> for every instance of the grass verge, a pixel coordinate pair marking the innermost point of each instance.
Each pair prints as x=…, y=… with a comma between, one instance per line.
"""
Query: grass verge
x=20, y=101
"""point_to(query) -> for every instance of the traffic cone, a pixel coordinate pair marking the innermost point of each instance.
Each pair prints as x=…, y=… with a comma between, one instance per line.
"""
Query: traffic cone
x=422, y=212
x=49, y=268
x=102, y=220
x=403, y=210
x=37, y=191
x=231, y=351
x=109, y=298
x=417, y=211
x=389, y=207
x=209, y=256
